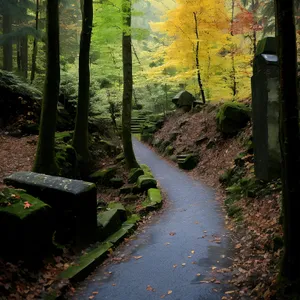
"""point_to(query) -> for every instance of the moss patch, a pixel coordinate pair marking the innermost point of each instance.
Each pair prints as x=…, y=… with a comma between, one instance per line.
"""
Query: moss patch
x=145, y=183
x=134, y=175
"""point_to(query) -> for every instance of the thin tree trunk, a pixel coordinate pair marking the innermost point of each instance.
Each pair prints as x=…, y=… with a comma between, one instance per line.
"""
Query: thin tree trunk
x=80, y=140
x=233, y=74
x=201, y=90
x=127, y=87
x=35, y=43
x=45, y=158
x=290, y=138
x=232, y=17
x=19, y=56
x=7, y=48
x=24, y=56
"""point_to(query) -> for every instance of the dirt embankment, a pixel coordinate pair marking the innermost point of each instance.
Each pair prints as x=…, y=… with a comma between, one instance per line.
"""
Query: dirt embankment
x=253, y=207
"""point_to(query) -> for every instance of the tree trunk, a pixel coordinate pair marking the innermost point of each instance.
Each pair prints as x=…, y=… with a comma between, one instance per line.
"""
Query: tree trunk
x=232, y=17
x=24, y=55
x=80, y=140
x=35, y=44
x=289, y=138
x=127, y=86
x=7, y=47
x=45, y=158
x=201, y=90
x=233, y=74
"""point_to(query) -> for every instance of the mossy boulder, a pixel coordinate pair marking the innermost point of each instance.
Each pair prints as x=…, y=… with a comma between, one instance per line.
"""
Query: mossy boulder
x=65, y=136
x=156, y=143
x=145, y=182
x=110, y=148
x=134, y=175
x=147, y=137
x=169, y=150
x=187, y=161
x=116, y=182
x=26, y=225
x=103, y=176
x=163, y=146
x=232, y=117
x=120, y=157
x=67, y=161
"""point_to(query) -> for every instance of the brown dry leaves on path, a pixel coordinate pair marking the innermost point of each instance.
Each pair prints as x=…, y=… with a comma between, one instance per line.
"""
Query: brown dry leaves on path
x=17, y=154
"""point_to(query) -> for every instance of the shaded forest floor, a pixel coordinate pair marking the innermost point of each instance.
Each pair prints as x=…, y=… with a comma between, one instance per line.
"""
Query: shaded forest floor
x=254, y=218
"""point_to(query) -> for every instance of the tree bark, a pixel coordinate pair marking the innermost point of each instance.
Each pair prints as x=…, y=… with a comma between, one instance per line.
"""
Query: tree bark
x=35, y=44
x=233, y=74
x=24, y=55
x=7, y=48
x=80, y=140
x=45, y=158
x=289, y=138
x=127, y=86
x=201, y=90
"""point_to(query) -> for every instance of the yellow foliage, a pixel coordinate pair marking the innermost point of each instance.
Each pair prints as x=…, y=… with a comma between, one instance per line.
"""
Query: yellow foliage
x=221, y=55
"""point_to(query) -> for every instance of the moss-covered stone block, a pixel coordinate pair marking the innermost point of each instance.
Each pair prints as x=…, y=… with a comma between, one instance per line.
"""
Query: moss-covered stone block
x=145, y=183
x=126, y=189
x=74, y=203
x=103, y=176
x=147, y=137
x=155, y=197
x=156, y=143
x=116, y=182
x=130, y=198
x=86, y=263
x=134, y=175
x=232, y=117
x=111, y=220
x=163, y=146
x=187, y=161
x=26, y=225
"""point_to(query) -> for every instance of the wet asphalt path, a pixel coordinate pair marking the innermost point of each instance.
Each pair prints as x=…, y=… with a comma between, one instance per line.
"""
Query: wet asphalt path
x=195, y=221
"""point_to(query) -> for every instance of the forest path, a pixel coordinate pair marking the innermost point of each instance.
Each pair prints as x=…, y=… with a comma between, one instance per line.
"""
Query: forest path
x=179, y=244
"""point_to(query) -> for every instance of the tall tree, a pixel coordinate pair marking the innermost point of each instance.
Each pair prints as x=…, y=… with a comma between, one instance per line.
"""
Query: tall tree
x=7, y=29
x=290, y=137
x=80, y=140
x=35, y=43
x=197, y=59
x=45, y=158
x=127, y=86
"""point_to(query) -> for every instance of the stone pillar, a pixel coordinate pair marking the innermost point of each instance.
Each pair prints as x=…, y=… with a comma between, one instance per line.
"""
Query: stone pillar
x=265, y=110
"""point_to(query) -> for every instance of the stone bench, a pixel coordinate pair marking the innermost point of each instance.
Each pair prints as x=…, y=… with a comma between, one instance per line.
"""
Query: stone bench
x=74, y=203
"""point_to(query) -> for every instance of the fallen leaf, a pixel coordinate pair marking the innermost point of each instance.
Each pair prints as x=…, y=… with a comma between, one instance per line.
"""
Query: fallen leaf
x=198, y=274
x=162, y=296
x=91, y=297
x=27, y=204
x=213, y=267
x=172, y=233
x=113, y=284
x=167, y=244
x=183, y=264
x=229, y=292
x=150, y=288
x=95, y=293
x=189, y=256
x=170, y=292
x=137, y=257
x=196, y=222
x=238, y=246
x=194, y=262
x=174, y=266
x=193, y=251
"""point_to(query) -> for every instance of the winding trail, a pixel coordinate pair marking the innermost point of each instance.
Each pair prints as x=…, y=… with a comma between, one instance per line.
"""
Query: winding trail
x=195, y=222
